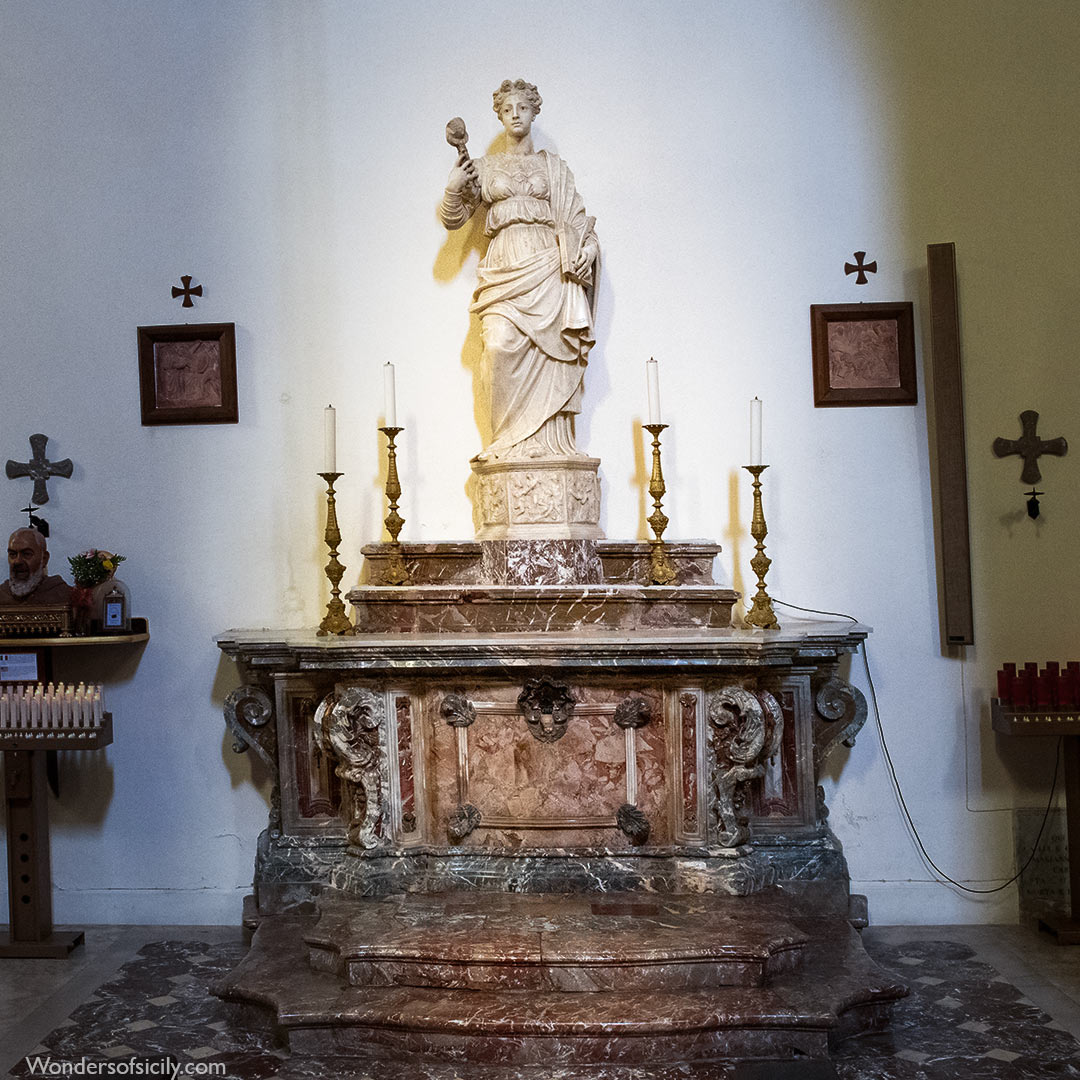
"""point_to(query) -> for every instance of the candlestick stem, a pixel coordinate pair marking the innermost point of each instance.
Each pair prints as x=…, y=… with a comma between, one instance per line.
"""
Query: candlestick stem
x=335, y=621
x=661, y=572
x=761, y=612
x=396, y=573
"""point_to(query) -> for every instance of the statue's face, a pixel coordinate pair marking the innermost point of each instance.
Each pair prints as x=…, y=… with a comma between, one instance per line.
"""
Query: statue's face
x=517, y=115
x=26, y=555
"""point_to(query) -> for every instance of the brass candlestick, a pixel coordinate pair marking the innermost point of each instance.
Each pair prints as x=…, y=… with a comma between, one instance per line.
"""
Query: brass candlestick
x=661, y=572
x=335, y=621
x=396, y=573
x=761, y=613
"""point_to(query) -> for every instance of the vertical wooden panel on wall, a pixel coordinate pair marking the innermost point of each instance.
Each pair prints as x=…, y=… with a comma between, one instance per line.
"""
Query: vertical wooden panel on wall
x=957, y=619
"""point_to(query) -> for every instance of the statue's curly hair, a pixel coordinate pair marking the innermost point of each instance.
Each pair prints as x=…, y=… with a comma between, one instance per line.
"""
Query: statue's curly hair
x=517, y=86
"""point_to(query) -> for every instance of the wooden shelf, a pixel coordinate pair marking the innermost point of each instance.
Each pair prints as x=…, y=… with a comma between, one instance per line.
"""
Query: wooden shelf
x=140, y=632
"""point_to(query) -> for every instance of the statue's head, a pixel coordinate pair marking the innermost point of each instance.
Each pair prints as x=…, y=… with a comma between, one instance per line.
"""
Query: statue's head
x=28, y=557
x=523, y=91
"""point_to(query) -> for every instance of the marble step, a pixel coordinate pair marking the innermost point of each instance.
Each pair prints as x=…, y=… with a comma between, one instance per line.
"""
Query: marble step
x=476, y=941
x=836, y=992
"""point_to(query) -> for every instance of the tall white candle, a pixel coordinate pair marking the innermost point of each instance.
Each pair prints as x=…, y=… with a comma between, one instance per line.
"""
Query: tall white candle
x=329, y=439
x=755, y=431
x=389, y=395
x=652, y=375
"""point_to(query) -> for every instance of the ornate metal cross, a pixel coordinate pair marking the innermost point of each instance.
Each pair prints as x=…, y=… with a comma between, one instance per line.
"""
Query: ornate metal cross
x=1030, y=447
x=39, y=468
x=187, y=292
x=861, y=268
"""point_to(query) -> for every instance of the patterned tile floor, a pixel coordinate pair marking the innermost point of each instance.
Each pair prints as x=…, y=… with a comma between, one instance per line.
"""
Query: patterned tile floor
x=987, y=1003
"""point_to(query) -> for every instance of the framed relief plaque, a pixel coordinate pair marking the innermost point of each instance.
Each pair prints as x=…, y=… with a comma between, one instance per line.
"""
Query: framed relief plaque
x=187, y=374
x=864, y=354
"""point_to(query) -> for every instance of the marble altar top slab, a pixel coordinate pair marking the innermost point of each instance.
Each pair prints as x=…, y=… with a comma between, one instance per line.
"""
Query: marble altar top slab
x=303, y=650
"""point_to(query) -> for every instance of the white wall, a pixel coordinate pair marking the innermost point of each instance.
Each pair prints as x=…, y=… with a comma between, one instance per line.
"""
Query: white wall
x=290, y=155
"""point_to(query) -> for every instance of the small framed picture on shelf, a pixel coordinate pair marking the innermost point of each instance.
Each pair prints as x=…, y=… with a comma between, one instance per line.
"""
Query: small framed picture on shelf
x=187, y=374
x=864, y=354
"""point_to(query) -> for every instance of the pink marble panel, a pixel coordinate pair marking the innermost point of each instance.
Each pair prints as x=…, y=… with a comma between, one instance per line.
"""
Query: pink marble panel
x=776, y=794
x=548, y=791
x=403, y=708
x=688, y=704
x=318, y=788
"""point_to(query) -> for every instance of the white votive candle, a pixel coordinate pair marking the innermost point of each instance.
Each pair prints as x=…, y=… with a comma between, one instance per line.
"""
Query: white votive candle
x=329, y=439
x=755, y=431
x=389, y=395
x=652, y=377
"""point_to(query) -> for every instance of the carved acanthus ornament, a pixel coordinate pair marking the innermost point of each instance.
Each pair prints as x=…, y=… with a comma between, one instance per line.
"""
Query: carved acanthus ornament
x=747, y=730
x=547, y=708
x=457, y=710
x=462, y=822
x=348, y=726
x=633, y=823
x=632, y=712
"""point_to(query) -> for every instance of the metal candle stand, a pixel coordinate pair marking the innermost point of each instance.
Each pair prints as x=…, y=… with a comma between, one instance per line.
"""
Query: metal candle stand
x=761, y=613
x=396, y=573
x=335, y=621
x=661, y=572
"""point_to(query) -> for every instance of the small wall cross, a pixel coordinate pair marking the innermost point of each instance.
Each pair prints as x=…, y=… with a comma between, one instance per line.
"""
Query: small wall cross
x=187, y=292
x=861, y=268
x=39, y=468
x=1030, y=447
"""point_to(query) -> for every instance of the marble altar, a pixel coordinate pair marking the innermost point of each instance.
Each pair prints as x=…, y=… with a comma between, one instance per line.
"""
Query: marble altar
x=583, y=832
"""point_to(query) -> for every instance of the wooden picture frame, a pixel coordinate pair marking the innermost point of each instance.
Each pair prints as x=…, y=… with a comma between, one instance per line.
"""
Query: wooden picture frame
x=187, y=374
x=864, y=354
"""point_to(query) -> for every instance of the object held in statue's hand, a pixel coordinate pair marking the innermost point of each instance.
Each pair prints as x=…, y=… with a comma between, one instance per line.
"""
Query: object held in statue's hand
x=457, y=136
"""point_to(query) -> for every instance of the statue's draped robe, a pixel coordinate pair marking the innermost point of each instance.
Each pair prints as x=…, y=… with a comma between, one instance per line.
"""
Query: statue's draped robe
x=537, y=326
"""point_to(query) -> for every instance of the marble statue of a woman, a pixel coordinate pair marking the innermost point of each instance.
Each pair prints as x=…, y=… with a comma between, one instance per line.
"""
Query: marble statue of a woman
x=533, y=283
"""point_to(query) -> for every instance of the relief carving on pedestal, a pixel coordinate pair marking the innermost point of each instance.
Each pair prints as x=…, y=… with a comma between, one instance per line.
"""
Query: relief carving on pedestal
x=747, y=731
x=583, y=496
x=547, y=708
x=535, y=497
x=348, y=727
x=491, y=498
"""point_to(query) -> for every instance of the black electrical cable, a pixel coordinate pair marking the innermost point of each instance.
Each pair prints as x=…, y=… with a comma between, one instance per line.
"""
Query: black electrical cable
x=896, y=783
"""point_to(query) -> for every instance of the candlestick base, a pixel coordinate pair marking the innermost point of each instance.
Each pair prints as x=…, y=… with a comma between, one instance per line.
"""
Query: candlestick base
x=761, y=614
x=335, y=621
x=661, y=570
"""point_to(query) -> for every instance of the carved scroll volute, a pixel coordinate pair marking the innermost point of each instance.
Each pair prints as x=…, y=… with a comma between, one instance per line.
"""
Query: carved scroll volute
x=747, y=730
x=248, y=714
x=841, y=713
x=348, y=726
x=547, y=707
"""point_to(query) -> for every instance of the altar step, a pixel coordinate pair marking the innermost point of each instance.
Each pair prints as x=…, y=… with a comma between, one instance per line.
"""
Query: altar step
x=511, y=1010
x=476, y=941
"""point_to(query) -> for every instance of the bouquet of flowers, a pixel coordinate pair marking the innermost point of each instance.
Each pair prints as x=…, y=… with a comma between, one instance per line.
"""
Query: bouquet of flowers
x=90, y=568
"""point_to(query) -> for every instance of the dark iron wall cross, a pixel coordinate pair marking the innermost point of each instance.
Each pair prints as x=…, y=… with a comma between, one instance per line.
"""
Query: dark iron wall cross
x=861, y=268
x=39, y=468
x=187, y=292
x=1030, y=447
